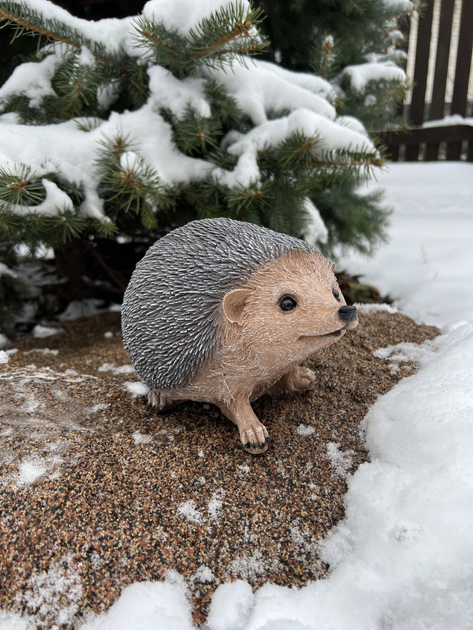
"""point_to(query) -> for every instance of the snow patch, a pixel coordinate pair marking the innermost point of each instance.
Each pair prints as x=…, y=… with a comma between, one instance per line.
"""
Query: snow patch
x=189, y=511
x=341, y=461
x=111, y=367
x=54, y=595
x=376, y=308
x=203, y=575
x=137, y=388
x=41, y=332
x=42, y=351
x=247, y=566
x=305, y=430
x=361, y=74
x=141, y=438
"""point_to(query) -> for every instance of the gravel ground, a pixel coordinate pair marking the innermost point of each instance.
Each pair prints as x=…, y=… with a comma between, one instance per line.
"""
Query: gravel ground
x=99, y=491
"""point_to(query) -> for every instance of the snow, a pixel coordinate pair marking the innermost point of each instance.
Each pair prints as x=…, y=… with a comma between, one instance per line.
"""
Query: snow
x=32, y=80
x=122, y=369
x=137, y=388
x=41, y=332
x=178, y=95
x=147, y=606
x=304, y=430
x=261, y=87
x=203, y=575
x=361, y=74
x=315, y=231
x=341, y=461
x=455, y=119
x=42, y=351
x=86, y=308
x=141, y=438
x=399, y=6
x=189, y=511
x=231, y=606
x=3, y=357
x=247, y=566
x=427, y=264
x=330, y=135
x=182, y=15
x=29, y=471
x=56, y=593
x=6, y=271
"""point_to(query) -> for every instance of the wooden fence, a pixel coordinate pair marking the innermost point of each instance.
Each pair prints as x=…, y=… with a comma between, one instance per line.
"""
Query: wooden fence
x=451, y=142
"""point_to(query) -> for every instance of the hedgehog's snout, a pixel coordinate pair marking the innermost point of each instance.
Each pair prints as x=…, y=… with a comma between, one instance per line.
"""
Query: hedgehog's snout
x=347, y=313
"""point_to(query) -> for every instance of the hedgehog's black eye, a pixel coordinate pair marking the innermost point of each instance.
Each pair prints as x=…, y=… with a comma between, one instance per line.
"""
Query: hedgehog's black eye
x=336, y=294
x=287, y=303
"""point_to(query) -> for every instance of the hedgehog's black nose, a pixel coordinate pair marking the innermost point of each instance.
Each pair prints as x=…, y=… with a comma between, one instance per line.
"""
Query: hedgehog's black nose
x=347, y=313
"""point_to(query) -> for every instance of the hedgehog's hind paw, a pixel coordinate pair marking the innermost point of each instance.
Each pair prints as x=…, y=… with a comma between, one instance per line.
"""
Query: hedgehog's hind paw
x=298, y=379
x=161, y=401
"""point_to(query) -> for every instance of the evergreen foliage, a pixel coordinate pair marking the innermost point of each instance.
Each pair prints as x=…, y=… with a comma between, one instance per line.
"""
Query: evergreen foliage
x=90, y=81
x=328, y=36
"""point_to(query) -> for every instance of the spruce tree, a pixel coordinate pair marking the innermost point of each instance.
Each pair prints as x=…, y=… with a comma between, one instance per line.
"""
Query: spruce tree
x=116, y=131
x=360, y=47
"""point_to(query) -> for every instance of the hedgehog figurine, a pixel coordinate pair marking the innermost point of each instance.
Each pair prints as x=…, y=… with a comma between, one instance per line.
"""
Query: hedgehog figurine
x=222, y=311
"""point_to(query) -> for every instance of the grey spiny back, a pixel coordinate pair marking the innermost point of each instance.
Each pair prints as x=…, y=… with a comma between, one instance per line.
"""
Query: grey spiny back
x=172, y=305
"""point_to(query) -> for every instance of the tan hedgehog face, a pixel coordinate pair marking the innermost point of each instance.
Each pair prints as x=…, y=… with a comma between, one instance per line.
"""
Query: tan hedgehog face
x=291, y=308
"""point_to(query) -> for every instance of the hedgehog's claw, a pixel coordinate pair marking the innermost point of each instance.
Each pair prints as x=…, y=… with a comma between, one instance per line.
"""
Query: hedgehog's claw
x=255, y=449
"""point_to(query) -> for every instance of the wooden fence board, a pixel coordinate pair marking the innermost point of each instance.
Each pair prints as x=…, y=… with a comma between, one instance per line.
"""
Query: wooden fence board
x=462, y=70
x=454, y=135
x=430, y=135
x=424, y=34
x=441, y=62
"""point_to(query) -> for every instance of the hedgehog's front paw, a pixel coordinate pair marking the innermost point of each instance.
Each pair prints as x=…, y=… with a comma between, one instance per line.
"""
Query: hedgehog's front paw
x=299, y=378
x=253, y=434
x=255, y=438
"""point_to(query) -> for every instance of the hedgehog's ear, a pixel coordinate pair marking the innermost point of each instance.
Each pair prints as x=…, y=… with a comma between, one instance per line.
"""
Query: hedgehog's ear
x=233, y=304
x=333, y=267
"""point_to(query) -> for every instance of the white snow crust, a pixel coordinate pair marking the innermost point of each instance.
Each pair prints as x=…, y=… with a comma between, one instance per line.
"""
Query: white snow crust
x=454, y=119
x=182, y=15
x=231, y=606
x=427, y=264
x=361, y=74
x=41, y=332
x=137, y=388
x=32, y=80
x=6, y=271
x=147, y=606
x=329, y=134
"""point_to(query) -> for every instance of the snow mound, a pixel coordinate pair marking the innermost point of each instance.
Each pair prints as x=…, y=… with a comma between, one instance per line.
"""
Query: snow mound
x=147, y=606
x=427, y=264
x=231, y=606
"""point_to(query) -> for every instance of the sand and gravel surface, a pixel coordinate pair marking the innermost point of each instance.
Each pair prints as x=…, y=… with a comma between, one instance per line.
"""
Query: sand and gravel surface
x=99, y=491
